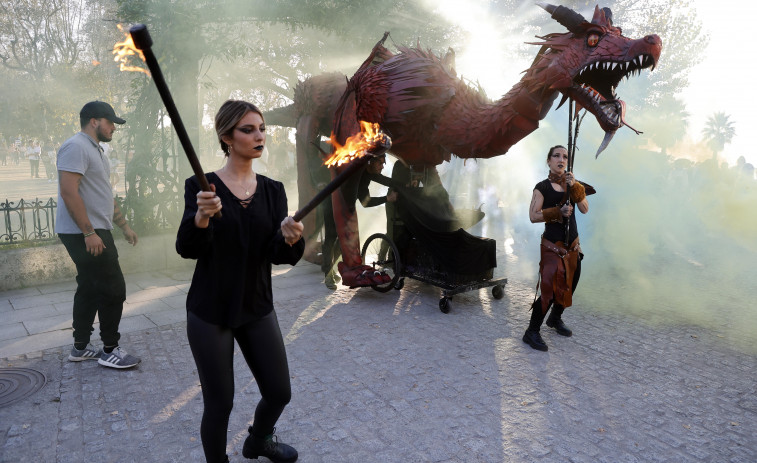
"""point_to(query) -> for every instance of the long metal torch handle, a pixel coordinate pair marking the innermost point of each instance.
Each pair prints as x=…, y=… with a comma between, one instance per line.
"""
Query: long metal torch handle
x=143, y=42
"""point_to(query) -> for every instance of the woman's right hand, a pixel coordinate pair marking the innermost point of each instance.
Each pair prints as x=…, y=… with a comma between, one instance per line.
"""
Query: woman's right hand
x=566, y=210
x=207, y=206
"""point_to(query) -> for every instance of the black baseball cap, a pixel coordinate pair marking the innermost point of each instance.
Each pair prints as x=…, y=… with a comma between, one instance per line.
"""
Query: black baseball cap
x=98, y=109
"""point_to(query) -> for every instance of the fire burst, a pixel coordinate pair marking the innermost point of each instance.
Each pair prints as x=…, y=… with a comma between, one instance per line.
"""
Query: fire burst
x=123, y=50
x=370, y=136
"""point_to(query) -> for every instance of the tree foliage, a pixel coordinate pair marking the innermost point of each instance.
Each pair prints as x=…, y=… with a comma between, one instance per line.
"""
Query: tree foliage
x=37, y=36
x=718, y=131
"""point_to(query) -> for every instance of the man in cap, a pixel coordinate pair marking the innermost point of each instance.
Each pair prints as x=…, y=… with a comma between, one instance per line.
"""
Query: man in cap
x=85, y=218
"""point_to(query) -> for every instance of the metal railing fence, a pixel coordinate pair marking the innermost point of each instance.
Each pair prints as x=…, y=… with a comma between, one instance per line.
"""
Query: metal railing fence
x=28, y=222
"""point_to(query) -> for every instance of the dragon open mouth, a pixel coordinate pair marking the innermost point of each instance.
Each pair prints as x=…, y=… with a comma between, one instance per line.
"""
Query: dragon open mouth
x=595, y=84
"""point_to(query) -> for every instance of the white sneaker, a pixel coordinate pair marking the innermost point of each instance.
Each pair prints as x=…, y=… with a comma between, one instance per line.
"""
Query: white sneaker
x=88, y=353
x=119, y=358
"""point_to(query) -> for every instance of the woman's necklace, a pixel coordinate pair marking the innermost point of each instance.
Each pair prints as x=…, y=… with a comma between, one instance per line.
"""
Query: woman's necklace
x=246, y=189
x=241, y=184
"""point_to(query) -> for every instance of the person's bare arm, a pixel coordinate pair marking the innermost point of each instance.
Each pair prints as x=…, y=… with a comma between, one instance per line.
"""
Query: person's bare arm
x=120, y=220
x=534, y=211
x=551, y=214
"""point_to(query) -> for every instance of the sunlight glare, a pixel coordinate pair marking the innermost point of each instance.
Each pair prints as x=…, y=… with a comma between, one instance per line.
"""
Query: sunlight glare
x=488, y=54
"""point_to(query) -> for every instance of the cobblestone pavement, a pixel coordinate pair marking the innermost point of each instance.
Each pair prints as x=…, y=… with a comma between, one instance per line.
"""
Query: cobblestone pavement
x=389, y=378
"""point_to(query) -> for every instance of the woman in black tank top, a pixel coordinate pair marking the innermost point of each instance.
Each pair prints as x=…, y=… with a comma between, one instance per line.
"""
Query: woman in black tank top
x=548, y=205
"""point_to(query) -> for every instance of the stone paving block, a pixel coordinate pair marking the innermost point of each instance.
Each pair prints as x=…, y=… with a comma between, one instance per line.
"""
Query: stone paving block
x=153, y=280
x=129, y=324
x=66, y=286
x=20, y=293
x=36, y=300
x=35, y=342
x=42, y=325
x=29, y=313
x=152, y=293
x=10, y=331
x=148, y=306
x=177, y=302
x=168, y=317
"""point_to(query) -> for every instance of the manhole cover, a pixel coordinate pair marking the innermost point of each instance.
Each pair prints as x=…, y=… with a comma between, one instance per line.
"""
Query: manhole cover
x=19, y=383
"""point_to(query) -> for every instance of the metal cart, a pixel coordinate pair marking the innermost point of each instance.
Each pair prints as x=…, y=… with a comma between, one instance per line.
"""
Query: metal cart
x=381, y=253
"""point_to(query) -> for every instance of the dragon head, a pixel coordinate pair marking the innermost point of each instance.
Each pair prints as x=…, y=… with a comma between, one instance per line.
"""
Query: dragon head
x=587, y=64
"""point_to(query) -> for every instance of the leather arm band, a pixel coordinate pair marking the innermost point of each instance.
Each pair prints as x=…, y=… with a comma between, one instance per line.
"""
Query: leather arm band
x=552, y=214
x=577, y=192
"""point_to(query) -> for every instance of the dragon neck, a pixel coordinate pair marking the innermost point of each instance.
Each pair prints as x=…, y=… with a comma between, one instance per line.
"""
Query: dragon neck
x=485, y=129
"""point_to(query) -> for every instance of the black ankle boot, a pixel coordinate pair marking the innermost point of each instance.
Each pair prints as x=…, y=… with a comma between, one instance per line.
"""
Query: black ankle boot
x=268, y=447
x=555, y=321
x=532, y=337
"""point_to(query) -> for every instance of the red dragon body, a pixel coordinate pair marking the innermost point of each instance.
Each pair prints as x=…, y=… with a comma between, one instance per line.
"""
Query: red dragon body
x=430, y=114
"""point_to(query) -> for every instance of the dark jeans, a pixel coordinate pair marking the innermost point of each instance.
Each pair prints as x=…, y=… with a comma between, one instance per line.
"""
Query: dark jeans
x=262, y=345
x=101, y=289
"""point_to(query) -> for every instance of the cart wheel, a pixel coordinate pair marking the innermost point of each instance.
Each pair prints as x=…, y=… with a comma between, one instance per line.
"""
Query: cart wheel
x=380, y=253
x=400, y=284
x=444, y=305
x=498, y=291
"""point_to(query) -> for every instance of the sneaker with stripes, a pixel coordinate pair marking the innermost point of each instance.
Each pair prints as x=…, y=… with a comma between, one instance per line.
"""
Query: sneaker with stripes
x=119, y=358
x=88, y=353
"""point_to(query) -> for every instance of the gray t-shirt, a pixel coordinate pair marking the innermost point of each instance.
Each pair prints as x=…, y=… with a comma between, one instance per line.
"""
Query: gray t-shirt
x=83, y=155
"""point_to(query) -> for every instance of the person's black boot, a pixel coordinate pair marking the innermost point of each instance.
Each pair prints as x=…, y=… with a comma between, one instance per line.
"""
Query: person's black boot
x=555, y=321
x=268, y=447
x=532, y=337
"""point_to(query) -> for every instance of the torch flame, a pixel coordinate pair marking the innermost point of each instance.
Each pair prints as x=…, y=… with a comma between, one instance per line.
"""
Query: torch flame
x=355, y=146
x=123, y=50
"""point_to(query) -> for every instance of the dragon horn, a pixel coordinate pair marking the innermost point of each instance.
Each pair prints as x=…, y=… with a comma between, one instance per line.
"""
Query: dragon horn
x=565, y=16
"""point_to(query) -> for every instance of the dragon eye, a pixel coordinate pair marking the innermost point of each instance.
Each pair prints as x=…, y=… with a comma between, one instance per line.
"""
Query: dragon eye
x=592, y=40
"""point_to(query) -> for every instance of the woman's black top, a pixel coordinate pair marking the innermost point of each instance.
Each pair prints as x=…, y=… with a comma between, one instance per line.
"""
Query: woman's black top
x=555, y=231
x=231, y=285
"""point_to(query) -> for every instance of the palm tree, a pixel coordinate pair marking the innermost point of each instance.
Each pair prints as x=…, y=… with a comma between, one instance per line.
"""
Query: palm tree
x=718, y=131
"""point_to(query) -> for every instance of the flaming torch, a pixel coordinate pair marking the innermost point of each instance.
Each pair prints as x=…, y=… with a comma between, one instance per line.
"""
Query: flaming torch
x=356, y=152
x=142, y=42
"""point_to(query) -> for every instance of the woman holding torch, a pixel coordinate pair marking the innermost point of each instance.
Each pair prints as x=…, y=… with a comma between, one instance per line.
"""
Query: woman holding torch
x=230, y=297
x=560, y=265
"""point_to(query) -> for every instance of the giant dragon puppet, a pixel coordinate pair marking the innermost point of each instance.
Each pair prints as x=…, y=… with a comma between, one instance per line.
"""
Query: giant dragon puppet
x=430, y=114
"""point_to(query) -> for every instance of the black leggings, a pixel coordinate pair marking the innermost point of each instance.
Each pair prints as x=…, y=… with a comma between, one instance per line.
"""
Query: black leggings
x=262, y=345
